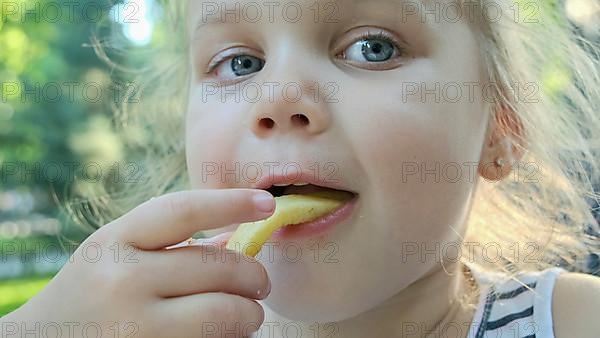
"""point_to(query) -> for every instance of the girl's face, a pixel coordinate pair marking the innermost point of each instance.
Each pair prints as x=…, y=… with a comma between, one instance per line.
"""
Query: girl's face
x=384, y=103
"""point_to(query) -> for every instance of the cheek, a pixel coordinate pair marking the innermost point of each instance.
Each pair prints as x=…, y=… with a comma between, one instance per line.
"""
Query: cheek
x=406, y=134
x=424, y=140
x=420, y=157
x=212, y=137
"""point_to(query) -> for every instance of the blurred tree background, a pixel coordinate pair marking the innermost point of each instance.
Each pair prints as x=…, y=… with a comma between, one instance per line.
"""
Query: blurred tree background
x=55, y=121
x=55, y=127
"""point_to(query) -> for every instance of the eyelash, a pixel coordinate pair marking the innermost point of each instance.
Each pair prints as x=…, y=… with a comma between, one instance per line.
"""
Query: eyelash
x=225, y=56
x=381, y=35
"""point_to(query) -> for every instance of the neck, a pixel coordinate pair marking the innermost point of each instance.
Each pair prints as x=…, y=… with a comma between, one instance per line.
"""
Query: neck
x=430, y=304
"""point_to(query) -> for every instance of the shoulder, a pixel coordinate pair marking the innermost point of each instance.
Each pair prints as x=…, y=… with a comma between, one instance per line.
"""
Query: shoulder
x=575, y=305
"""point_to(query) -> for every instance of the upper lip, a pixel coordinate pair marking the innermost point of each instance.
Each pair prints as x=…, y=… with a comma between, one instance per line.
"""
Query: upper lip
x=308, y=177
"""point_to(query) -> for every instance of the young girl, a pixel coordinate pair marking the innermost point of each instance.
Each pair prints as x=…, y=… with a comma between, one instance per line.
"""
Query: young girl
x=466, y=131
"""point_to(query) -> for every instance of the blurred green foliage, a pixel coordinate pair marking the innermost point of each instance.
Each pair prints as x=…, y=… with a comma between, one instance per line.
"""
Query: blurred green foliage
x=15, y=292
x=56, y=100
x=50, y=83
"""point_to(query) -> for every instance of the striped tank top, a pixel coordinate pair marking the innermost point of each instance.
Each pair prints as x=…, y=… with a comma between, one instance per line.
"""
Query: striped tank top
x=514, y=309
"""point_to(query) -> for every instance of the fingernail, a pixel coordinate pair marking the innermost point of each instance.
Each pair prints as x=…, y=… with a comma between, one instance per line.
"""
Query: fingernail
x=264, y=202
x=260, y=292
x=268, y=287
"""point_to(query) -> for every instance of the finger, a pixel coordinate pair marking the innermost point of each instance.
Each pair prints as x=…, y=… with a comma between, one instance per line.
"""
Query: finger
x=206, y=268
x=219, y=240
x=209, y=315
x=174, y=217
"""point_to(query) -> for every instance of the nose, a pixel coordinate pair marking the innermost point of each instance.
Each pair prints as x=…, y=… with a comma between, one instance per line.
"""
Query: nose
x=290, y=119
x=298, y=105
x=300, y=120
x=285, y=116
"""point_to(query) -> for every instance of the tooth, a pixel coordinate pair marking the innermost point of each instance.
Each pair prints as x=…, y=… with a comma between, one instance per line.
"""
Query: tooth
x=299, y=184
x=281, y=184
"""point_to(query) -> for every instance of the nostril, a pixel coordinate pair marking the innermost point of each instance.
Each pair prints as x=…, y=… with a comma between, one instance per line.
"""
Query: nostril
x=266, y=123
x=300, y=119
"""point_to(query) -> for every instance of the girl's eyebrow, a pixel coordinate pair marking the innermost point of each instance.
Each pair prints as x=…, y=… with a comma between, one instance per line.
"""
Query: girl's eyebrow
x=213, y=20
x=213, y=14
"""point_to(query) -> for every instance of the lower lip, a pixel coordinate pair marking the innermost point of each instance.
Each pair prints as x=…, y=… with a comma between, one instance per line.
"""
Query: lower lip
x=318, y=226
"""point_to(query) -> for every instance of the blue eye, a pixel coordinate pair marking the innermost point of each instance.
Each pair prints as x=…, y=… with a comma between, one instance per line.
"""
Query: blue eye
x=380, y=50
x=239, y=65
x=371, y=50
x=375, y=50
x=246, y=64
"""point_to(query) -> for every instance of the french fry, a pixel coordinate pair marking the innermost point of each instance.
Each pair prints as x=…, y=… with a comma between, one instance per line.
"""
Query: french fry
x=289, y=209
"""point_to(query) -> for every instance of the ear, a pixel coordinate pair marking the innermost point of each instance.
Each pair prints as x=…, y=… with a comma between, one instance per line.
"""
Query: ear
x=504, y=145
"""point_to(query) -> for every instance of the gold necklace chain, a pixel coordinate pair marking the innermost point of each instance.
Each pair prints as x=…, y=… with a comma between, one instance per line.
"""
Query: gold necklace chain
x=469, y=277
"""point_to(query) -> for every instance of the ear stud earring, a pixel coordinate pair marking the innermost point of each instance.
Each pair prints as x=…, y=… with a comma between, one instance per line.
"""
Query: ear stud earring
x=499, y=162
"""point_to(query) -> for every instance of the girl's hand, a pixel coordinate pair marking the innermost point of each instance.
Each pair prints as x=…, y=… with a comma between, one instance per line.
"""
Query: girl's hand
x=122, y=282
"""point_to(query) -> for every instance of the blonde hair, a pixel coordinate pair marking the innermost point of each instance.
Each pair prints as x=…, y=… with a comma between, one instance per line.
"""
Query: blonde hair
x=549, y=206
x=560, y=137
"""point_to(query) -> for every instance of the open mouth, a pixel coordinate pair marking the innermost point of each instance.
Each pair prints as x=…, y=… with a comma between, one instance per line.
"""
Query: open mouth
x=300, y=189
x=300, y=210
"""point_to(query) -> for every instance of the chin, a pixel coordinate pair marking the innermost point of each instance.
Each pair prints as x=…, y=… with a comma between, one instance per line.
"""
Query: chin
x=321, y=309
x=325, y=292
